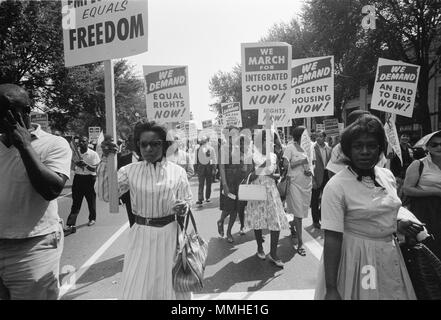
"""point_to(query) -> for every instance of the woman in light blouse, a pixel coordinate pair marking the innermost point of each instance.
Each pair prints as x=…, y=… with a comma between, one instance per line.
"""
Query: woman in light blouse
x=361, y=260
x=159, y=191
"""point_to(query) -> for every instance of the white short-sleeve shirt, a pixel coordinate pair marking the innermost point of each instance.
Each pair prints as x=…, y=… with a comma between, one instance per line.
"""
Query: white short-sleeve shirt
x=24, y=212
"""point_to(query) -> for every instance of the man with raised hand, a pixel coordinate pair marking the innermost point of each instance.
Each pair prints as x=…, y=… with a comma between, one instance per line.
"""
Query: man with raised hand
x=34, y=166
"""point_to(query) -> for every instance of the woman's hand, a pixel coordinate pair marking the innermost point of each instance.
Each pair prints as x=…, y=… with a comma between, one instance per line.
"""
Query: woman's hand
x=409, y=229
x=108, y=147
x=225, y=188
x=308, y=173
x=180, y=208
x=332, y=294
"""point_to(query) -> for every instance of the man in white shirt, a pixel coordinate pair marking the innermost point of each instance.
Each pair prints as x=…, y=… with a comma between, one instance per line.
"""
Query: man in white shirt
x=34, y=167
x=83, y=185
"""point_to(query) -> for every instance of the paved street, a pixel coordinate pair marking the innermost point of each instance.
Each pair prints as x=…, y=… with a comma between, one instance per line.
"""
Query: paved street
x=92, y=260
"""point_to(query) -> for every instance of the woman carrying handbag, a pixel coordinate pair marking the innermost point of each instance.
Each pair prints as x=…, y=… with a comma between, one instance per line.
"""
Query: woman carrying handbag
x=266, y=214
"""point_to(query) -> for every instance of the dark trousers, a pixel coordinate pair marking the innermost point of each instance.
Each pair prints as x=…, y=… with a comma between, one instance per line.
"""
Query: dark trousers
x=82, y=186
x=315, y=204
x=205, y=176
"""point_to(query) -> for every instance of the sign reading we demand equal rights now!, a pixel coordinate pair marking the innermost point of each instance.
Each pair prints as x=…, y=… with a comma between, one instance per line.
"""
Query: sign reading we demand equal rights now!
x=312, y=87
x=102, y=30
x=395, y=87
x=167, y=93
x=266, y=79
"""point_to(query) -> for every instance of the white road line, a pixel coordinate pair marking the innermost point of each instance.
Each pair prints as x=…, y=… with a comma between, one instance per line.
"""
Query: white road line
x=64, y=196
x=313, y=245
x=78, y=273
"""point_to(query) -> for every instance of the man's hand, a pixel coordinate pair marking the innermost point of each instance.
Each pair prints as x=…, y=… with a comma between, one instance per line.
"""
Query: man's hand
x=80, y=164
x=17, y=133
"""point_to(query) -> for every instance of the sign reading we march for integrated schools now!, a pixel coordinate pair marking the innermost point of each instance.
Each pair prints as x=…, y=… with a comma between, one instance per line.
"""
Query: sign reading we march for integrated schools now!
x=266, y=80
x=312, y=87
x=395, y=87
x=231, y=115
x=102, y=30
x=167, y=93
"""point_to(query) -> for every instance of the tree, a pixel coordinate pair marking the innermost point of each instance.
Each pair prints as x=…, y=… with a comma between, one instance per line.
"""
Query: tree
x=405, y=30
x=227, y=87
x=31, y=55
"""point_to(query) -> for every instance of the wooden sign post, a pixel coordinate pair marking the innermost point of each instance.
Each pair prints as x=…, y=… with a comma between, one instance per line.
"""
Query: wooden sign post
x=109, y=85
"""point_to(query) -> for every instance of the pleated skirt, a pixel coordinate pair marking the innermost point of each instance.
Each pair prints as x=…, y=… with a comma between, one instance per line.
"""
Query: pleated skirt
x=369, y=270
x=148, y=264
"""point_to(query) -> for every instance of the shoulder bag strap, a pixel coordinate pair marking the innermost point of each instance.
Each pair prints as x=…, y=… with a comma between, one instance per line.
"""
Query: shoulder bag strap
x=420, y=171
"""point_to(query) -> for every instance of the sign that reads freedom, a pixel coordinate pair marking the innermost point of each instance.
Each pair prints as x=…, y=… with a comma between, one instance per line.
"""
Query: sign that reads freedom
x=167, y=93
x=312, y=87
x=395, y=87
x=266, y=78
x=231, y=115
x=95, y=30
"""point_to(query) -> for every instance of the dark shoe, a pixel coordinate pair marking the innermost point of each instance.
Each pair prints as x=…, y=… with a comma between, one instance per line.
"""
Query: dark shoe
x=230, y=238
x=317, y=225
x=301, y=251
x=70, y=229
x=199, y=203
x=208, y=200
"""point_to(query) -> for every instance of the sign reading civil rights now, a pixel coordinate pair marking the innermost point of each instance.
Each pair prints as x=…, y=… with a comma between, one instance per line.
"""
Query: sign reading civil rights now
x=231, y=115
x=167, y=93
x=266, y=78
x=395, y=87
x=312, y=87
x=102, y=30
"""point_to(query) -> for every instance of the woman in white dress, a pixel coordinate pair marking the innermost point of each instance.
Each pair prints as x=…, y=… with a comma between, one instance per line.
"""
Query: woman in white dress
x=298, y=198
x=361, y=260
x=268, y=214
x=159, y=192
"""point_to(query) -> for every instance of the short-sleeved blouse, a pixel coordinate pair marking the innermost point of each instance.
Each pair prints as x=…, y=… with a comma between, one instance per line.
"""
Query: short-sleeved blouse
x=349, y=205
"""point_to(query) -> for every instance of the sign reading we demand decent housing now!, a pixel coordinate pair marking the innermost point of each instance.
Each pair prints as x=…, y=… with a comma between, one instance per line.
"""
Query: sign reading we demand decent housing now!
x=312, y=87
x=95, y=30
x=395, y=87
x=266, y=80
x=167, y=93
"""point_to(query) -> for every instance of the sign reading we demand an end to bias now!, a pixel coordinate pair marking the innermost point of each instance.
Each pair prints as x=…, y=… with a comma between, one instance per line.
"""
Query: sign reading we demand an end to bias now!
x=167, y=93
x=266, y=79
x=312, y=87
x=95, y=30
x=395, y=87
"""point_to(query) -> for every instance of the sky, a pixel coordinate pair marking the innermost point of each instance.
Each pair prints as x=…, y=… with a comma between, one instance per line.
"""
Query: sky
x=206, y=35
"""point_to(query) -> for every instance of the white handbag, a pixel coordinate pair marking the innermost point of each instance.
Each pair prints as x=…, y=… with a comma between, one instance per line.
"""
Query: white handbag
x=251, y=192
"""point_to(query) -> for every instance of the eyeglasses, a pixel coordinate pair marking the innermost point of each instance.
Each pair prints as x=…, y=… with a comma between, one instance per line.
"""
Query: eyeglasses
x=434, y=144
x=152, y=144
x=371, y=147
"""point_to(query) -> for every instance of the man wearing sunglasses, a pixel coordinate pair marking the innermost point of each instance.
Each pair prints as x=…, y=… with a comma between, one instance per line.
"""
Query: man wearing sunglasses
x=34, y=166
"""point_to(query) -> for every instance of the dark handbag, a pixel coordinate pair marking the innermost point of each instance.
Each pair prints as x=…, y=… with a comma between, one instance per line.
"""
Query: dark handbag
x=190, y=261
x=283, y=187
x=424, y=269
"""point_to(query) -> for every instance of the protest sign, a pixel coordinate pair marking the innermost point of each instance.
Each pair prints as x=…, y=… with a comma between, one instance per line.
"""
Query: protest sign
x=279, y=117
x=332, y=128
x=312, y=87
x=102, y=30
x=167, y=93
x=207, y=124
x=266, y=77
x=395, y=87
x=231, y=115
x=392, y=138
x=319, y=127
x=94, y=133
x=190, y=129
x=41, y=119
